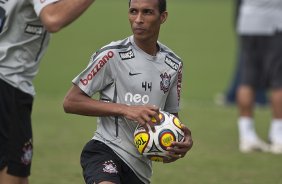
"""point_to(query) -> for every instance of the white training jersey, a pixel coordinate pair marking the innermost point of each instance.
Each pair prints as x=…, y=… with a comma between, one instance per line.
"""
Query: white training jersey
x=123, y=73
x=260, y=17
x=23, y=41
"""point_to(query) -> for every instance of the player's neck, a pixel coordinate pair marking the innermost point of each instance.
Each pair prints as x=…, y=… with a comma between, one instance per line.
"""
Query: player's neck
x=150, y=47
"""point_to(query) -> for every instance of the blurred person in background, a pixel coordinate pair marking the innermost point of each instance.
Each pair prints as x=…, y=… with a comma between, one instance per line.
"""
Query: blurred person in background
x=260, y=30
x=229, y=96
x=25, y=27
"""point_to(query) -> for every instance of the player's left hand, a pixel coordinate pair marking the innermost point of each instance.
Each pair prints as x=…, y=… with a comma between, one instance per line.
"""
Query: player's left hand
x=179, y=149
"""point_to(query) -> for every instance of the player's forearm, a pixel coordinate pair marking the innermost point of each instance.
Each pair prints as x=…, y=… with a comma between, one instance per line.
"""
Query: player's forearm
x=100, y=108
x=58, y=15
x=78, y=103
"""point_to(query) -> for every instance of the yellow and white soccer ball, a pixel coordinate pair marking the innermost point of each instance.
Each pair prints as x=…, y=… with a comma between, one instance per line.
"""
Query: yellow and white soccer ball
x=154, y=144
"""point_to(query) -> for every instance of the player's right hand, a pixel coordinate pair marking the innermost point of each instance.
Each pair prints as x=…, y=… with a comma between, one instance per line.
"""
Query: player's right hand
x=143, y=114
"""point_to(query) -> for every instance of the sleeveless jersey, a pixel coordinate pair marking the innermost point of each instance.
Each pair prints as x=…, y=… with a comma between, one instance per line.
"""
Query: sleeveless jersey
x=123, y=73
x=23, y=41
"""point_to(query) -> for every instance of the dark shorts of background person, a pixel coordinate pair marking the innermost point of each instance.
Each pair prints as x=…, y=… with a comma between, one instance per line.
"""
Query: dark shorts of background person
x=15, y=130
x=262, y=61
x=100, y=163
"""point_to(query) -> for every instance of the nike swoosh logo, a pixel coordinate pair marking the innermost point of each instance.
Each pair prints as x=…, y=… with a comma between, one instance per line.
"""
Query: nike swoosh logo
x=131, y=74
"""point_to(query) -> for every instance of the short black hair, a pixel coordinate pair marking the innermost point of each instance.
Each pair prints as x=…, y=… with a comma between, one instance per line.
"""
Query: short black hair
x=162, y=5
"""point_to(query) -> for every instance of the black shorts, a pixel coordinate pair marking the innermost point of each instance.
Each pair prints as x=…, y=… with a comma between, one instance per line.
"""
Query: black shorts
x=262, y=61
x=15, y=130
x=100, y=163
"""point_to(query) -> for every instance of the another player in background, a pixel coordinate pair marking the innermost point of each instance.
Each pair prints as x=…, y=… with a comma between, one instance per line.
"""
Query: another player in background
x=135, y=77
x=25, y=27
x=229, y=97
x=260, y=30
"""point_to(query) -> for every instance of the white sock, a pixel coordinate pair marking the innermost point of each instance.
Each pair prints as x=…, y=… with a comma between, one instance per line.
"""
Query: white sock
x=246, y=129
x=275, y=131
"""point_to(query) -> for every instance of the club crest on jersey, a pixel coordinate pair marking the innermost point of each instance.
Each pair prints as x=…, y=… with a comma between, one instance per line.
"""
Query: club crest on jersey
x=126, y=55
x=165, y=82
x=172, y=64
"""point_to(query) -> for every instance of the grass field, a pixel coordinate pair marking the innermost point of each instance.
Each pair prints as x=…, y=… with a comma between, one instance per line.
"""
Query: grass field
x=201, y=32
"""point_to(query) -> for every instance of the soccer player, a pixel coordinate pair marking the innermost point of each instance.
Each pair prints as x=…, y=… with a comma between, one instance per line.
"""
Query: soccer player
x=135, y=77
x=260, y=30
x=25, y=27
x=229, y=96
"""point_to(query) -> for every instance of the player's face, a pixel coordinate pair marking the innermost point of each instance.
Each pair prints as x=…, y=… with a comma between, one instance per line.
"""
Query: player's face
x=145, y=19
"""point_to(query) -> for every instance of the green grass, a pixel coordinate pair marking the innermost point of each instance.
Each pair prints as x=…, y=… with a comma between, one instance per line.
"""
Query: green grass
x=201, y=32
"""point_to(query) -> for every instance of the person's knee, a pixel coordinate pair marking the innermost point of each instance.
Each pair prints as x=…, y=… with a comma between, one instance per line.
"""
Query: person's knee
x=6, y=178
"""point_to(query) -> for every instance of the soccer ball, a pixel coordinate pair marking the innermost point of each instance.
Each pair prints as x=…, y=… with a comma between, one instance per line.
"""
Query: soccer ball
x=154, y=144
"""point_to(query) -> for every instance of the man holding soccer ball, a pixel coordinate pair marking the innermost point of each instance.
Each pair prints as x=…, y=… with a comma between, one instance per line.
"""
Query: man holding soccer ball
x=25, y=27
x=135, y=77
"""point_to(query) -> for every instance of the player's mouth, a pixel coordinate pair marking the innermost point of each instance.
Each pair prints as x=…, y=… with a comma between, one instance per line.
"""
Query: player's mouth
x=138, y=30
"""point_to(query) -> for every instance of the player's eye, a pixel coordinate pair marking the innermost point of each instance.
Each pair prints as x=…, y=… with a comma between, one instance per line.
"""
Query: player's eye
x=132, y=11
x=148, y=11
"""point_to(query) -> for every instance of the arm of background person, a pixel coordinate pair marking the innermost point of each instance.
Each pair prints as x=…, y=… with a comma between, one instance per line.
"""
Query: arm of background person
x=57, y=15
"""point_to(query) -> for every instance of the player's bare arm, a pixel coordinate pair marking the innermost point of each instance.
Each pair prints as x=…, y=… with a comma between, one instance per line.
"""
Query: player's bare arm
x=77, y=102
x=58, y=15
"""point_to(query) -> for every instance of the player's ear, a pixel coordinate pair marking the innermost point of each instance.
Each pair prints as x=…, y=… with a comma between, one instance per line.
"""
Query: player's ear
x=164, y=16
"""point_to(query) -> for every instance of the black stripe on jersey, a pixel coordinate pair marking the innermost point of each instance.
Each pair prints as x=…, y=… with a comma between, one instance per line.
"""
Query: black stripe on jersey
x=116, y=117
x=3, y=1
x=172, y=60
x=173, y=56
x=41, y=45
x=119, y=46
x=2, y=18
